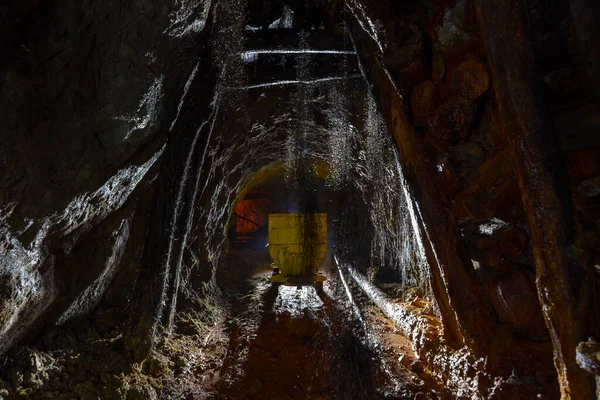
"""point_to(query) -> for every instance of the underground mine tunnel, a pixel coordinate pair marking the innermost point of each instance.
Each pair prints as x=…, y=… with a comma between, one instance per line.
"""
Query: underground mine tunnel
x=284, y=199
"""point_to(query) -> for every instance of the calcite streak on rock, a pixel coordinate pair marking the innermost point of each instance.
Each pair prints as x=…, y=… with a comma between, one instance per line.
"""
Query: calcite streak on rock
x=462, y=372
x=186, y=88
x=90, y=297
x=190, y=17
x=27, y=269
x=25, y=288
x=148, y=110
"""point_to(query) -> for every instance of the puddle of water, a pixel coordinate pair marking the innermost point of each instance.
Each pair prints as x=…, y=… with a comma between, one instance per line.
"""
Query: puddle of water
x=296, y=301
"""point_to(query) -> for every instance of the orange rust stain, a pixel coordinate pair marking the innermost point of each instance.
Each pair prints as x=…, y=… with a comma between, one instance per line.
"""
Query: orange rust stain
x=254, y=210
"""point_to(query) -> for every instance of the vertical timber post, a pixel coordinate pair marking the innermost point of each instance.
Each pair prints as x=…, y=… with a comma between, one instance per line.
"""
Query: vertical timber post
x=563, y=276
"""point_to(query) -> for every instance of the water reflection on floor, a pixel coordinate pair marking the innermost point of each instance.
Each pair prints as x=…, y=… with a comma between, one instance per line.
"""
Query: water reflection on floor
x=296, y=301
x=292, y=342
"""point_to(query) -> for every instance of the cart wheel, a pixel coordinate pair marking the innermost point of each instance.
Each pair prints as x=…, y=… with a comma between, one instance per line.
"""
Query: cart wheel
x=319, y=286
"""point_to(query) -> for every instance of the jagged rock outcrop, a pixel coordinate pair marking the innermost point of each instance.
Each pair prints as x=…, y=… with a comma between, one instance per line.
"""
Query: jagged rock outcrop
x=88, y=97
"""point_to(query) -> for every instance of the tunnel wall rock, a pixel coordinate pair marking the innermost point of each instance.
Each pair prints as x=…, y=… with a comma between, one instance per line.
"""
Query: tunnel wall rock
x=442, y=85
x=88, y=94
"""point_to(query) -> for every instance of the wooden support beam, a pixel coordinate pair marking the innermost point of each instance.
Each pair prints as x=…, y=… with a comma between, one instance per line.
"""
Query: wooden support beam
x=464, y=309
x=268, y=69
x=563, y=271
x=271, y=39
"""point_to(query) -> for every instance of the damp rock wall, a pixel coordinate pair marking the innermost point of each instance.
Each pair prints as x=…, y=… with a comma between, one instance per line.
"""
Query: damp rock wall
x=459, y=93
x=88, y=94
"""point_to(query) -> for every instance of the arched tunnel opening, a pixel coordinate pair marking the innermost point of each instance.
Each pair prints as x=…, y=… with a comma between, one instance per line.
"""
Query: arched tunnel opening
x=286, y=199
x=296, y=335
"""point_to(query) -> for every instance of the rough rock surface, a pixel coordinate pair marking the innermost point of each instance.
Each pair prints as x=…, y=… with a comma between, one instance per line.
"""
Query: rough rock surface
x=84, y=120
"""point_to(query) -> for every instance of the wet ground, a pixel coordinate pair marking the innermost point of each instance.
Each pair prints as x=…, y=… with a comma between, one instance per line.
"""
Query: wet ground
x=294, y=343
x=271, y=342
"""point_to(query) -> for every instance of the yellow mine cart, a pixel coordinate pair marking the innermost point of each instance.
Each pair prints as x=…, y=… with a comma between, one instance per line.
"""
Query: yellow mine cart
x=297, y=246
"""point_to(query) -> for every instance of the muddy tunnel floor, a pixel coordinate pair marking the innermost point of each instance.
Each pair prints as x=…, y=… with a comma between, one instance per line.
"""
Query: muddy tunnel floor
x=291, y=342
x=268, y=342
